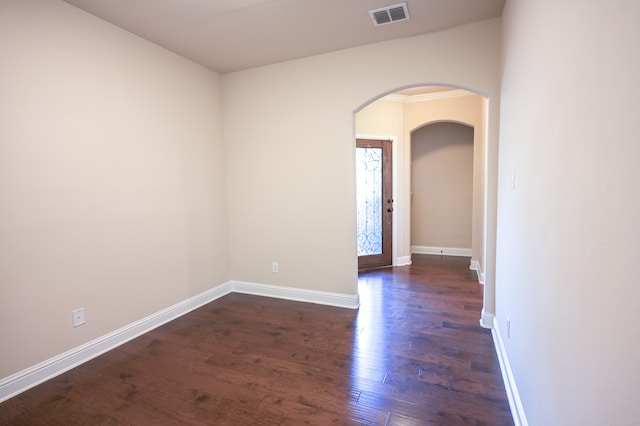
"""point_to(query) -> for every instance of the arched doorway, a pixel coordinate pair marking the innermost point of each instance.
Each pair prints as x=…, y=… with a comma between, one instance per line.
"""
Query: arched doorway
x=393, y=116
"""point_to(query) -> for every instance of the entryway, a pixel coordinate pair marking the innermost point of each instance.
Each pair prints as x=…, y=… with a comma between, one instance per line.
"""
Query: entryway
x=394, y=117
x=374, y=202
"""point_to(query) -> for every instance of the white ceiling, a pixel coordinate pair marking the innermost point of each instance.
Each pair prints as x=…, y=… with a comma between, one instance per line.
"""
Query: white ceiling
x=231, y=35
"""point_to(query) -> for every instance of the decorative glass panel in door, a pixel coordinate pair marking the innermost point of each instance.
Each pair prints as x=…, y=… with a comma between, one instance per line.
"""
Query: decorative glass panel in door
x=369, y=193
x=374, y=202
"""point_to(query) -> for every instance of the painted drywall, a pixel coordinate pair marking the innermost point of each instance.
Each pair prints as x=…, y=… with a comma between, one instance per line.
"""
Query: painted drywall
x=568, y=234
x=289, y=143
x=442, y=185
x=111, y=180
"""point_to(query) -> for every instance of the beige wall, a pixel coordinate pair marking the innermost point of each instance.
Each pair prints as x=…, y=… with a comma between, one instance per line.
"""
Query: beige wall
x=119, y=195
x=289, y=138
x=111, y=180
x=568, y=235
x=442, y=185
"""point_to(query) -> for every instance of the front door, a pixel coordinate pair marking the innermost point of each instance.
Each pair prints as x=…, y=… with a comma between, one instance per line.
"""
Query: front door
x=375, y=202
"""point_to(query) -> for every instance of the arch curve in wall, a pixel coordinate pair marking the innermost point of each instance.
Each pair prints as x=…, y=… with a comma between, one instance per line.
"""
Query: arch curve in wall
x=419, y=87
x=429, y=123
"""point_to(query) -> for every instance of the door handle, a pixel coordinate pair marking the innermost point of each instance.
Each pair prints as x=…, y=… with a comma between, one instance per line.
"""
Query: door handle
x=390, y=209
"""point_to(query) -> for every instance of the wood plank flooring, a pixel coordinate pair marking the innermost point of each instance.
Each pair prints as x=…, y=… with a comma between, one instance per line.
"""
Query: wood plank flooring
x=413, y=354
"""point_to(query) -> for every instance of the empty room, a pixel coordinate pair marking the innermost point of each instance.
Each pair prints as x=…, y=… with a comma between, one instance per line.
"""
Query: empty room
x=179, y=213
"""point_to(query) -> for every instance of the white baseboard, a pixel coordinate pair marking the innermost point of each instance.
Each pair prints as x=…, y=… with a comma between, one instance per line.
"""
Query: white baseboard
x=475, y=266
x=446, y=251
x=486, y=319
x=403, y=261
x=33, y=376
x=297, y=294
x=26, y=379
x=517, y=410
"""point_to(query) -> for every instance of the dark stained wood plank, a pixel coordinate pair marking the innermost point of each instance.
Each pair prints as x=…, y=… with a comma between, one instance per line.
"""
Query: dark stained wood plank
x=413, y=354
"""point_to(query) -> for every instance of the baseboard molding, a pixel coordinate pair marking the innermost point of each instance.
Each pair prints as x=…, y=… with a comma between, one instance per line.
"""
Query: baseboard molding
x=446, y=251
x=48, y=369
x=475, y=266
x=297, y=294
x=33, y=376
x=486, y=319
x=517, y=410
x=403, y=261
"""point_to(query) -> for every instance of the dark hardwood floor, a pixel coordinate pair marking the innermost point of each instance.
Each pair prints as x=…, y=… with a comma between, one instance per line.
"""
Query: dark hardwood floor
x=413, y=354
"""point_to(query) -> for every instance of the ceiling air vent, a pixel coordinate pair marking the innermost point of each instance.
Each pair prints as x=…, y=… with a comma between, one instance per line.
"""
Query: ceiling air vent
x=387, y=15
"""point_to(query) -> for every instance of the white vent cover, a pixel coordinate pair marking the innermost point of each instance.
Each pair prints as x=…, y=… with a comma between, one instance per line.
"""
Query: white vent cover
x=387, y=15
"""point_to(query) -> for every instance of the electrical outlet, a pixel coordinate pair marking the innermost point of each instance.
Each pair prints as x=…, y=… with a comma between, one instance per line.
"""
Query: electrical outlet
x=274, y=267
x=78, y=317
